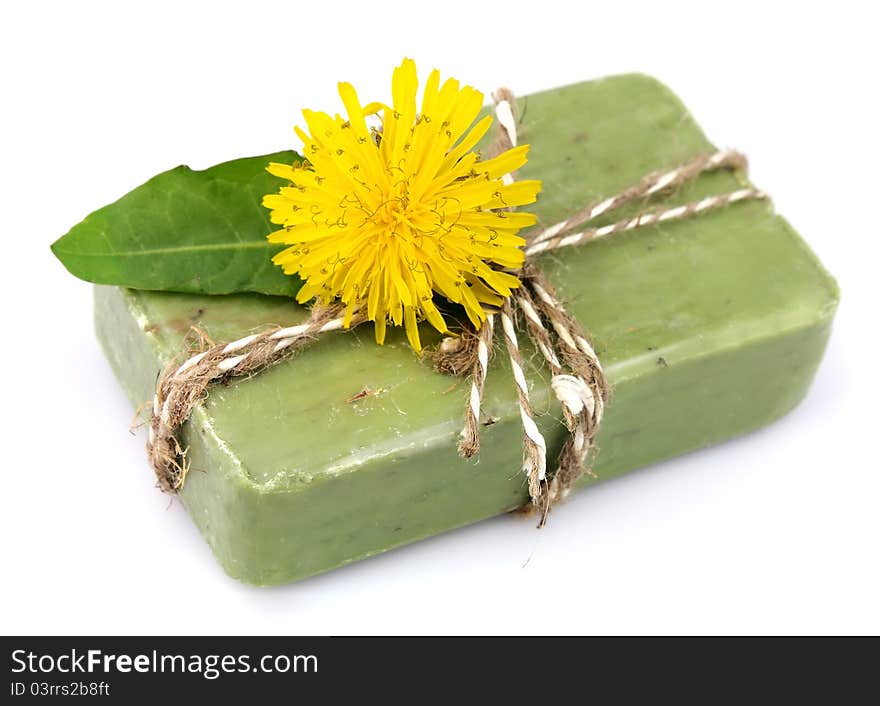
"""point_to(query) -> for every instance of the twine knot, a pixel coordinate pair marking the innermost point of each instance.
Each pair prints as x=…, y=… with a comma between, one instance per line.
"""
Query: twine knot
x=573, y=392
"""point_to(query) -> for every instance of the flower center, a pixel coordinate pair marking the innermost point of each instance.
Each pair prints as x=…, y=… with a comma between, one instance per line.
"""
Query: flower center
x=396, y=214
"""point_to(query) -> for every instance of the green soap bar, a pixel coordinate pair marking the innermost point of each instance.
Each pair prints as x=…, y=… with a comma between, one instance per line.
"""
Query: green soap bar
x=707, y=328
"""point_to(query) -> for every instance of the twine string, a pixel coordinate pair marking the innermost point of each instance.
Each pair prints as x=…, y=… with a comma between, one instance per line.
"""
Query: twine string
x=649, y=185
x=181, y=387
x=534, y=445
x=577, y=378
x=646, y=218
x=469, y=445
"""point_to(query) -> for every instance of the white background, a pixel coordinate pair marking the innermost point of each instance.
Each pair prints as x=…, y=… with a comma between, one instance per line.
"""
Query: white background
x=776, y=532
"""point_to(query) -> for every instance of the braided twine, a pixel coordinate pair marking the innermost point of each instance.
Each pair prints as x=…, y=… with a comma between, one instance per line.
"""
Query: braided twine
x=577, y=378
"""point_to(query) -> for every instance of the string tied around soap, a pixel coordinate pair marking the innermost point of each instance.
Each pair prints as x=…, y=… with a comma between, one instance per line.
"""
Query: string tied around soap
x=577, y=378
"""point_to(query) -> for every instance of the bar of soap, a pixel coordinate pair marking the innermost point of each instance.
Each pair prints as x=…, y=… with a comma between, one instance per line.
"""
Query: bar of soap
x=707, y=328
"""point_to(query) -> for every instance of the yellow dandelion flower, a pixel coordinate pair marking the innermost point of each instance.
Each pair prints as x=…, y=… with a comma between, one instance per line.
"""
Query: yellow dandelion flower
x=383, y=218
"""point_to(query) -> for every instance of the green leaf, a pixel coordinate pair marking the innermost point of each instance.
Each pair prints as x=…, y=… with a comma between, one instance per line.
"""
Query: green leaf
x=185, y=231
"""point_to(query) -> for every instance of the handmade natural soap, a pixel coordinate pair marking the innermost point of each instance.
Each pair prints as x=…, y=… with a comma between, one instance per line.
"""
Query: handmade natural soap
x=707, y=328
